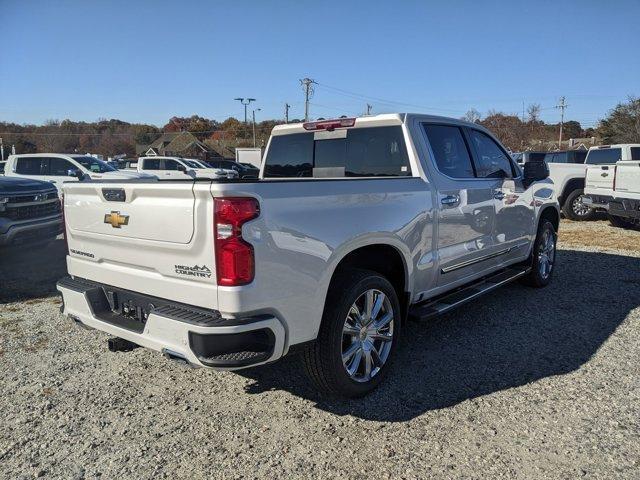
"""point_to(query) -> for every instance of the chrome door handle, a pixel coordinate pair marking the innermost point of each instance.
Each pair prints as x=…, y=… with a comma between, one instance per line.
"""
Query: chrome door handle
x=450, y=200
x=498, y=194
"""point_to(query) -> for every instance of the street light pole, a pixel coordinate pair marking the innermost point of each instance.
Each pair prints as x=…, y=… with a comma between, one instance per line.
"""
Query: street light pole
x=253, y=115
x=245, y=102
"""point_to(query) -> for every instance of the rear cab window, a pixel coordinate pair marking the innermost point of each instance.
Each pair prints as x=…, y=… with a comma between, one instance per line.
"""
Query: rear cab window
x=355, y=152
x=603, y=156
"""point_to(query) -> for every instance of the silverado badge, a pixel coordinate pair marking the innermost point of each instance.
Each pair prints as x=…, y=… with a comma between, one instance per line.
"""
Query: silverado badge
x=116, y=220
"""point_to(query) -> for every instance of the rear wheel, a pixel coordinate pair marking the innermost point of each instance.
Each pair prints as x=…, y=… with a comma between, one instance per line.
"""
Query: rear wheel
x=543, y=256
x=574, y=207
x=358, y=335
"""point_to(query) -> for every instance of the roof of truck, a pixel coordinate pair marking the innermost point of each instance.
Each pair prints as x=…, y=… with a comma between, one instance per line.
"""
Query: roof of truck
x=382, y=120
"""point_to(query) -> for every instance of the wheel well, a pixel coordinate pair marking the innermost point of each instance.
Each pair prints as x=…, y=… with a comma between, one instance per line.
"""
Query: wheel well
x=551, y=214
x=383, y=259
x=573, y=184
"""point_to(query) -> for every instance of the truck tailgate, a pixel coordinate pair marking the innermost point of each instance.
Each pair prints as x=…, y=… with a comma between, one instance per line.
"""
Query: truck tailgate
x=151, y=237
x=628, y=177
x=599, y=178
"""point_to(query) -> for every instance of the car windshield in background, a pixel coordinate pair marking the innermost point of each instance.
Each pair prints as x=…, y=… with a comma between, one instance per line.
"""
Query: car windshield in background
x=603, y=156
x=365, y=152
x=192, y=164
x=94, y=165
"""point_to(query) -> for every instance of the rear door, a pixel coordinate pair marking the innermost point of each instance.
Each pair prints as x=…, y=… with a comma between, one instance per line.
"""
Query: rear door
x=30, y=167
x=163, y=168
x=466, y=210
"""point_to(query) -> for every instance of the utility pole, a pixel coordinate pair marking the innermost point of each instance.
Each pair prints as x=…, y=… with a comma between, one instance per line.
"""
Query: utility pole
x=561, y=105
x=245, y=102
x=1, y=150
x=286, y=112
x=307, y=86
x=253, y=115
x=369, y=107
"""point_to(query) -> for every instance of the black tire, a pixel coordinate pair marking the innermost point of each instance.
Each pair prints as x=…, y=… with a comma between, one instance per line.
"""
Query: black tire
x=536, y=278
x=573, y=208
x=323, y=359
x=620, y=222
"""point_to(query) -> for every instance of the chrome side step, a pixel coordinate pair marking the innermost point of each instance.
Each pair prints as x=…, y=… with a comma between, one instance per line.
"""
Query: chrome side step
x=439, y=305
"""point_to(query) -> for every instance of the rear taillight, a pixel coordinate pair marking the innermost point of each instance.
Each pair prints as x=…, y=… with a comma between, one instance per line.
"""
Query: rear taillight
x=330, y=124
x=234, y=256
x=615, y=174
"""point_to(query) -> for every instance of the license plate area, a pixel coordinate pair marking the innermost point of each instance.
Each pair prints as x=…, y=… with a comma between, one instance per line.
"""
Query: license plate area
x=120, y=307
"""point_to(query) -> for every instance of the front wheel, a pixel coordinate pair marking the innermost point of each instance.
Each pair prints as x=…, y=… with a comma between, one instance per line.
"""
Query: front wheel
x=574, y=207
x=358, y=335
x=543, y=256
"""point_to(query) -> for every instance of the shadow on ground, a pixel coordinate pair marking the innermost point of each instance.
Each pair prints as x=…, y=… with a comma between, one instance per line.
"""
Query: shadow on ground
x=31, y=272
x=515, y=336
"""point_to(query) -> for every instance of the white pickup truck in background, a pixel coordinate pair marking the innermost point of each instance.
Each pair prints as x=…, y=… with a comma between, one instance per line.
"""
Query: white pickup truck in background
x=616, y=188
x=569, y=179
x=180, y=168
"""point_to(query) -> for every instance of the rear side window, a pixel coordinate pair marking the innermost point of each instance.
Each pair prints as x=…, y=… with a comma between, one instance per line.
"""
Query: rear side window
x=604, y=156
x=151, y=164
x=364, y=152
x=450, y=151
x=635, y=153
x=558, y=157
x=491, y=160
x=29, y=166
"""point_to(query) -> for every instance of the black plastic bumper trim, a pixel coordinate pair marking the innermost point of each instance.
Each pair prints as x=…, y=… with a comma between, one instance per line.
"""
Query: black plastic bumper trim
x=233, y=349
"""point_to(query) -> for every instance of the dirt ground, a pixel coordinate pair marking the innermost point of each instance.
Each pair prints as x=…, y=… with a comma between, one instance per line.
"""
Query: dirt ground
x=522, y=384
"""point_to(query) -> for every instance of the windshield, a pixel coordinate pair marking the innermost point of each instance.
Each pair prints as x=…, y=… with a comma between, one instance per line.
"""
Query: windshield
x=94, y=165
x=192, y=164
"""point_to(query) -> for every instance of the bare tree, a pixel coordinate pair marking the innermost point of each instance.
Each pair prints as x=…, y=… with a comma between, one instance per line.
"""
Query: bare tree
x=472, y=116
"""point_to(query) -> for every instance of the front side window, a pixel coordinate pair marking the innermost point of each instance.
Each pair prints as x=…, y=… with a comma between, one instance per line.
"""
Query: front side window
x=491, y=161
x=59, y=167
x=635, y=153
x=450, y=150
x=603, y=156
x=170, y=164
x=363, y=152
x=29, y=166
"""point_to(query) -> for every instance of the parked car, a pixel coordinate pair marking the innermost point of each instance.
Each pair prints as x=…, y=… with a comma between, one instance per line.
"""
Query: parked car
x=346, y=233
x=30, y=212
x=180, y=168
x=243, y=170
x=616, y=188
x=57, y=168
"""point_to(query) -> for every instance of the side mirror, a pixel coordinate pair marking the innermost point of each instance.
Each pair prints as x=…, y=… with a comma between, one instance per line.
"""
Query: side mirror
x=182, y=168
x=535, y=170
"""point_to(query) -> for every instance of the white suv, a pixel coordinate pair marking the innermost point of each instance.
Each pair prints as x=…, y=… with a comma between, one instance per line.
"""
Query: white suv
x=57, y=168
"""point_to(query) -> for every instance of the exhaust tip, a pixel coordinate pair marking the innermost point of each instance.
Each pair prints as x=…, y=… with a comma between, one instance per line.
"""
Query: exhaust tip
x=117, y=344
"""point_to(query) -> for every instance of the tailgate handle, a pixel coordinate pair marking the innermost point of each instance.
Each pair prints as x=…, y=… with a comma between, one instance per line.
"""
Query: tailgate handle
x=114, y=194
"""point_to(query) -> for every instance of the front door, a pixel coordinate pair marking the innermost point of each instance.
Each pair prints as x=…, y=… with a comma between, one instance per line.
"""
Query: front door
x=515, y=214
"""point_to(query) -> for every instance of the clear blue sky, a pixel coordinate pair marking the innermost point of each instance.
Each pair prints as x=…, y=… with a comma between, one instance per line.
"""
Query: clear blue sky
x=144, y=61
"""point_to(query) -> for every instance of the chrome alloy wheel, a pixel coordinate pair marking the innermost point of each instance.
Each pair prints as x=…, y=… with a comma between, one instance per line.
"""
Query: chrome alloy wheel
x=546, y=253
x=367, y=335
x=579, y=207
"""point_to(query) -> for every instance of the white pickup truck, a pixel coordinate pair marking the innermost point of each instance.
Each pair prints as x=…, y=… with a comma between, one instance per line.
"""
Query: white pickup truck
x=616, y=188
x=57, y=168
x=569, y=179
x=180, y=168
x=353, y=225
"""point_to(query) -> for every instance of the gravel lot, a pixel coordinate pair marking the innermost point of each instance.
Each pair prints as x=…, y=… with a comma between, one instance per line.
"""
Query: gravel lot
x=522, y=384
